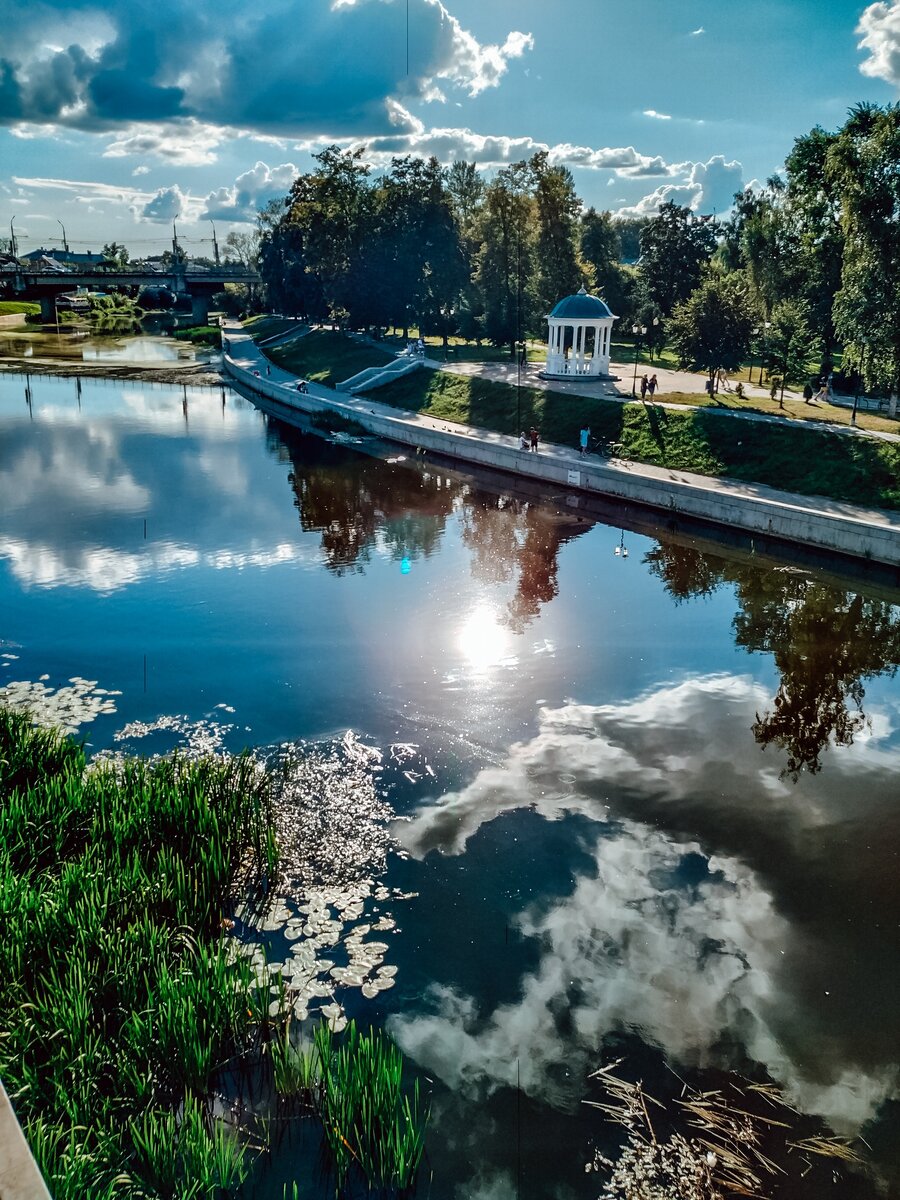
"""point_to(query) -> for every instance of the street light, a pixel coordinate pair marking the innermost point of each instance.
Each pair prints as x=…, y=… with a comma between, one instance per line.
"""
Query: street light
x=215, y=242
x=63, y=228
x=639, y=331
x=12, y=239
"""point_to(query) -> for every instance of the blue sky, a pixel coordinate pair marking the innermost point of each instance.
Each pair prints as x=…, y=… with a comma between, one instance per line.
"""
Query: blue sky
x=117, y=118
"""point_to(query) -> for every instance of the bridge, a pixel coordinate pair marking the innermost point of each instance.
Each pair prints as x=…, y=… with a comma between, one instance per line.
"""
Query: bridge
x=200, y=283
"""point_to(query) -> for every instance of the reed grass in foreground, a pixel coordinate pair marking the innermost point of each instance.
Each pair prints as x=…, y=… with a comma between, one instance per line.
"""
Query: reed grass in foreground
x=124, y=1006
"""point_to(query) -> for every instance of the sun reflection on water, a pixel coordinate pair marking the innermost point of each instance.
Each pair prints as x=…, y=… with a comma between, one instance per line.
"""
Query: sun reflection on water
x=483, y=639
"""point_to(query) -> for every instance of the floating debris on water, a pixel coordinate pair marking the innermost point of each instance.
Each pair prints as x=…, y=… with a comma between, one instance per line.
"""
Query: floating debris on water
x=198, y=739
x=67, y=708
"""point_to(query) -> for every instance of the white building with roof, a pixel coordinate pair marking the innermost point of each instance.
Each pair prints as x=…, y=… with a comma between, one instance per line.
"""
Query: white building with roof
x=580, y=338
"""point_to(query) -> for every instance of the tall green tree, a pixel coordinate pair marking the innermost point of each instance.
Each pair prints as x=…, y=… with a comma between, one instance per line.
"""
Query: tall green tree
x=791, y=342
x=506, y=265
x=713, y=327
x=814, y=211
x=864, y=164
x=675, y=246
x=560, y=268
x=601, y=250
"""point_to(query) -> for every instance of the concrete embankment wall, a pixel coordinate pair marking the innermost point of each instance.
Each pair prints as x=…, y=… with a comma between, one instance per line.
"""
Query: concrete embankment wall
x=750, y=507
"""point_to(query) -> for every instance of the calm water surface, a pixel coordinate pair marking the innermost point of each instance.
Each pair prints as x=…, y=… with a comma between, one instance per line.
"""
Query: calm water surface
x=648, y=792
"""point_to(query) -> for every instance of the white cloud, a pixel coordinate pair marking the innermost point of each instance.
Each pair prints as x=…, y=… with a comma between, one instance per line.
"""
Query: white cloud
x=187, y=143
x=141, y=170
x=166, y=205
x=697, y=32
x=879, y=25
x=710, y=188
x=489, y=150
x=238, y=67
x=250, y=192
x=657, y=116
x=741, y=949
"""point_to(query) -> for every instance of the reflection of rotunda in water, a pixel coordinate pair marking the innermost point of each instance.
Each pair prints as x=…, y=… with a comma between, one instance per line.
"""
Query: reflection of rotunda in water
x=580, y=338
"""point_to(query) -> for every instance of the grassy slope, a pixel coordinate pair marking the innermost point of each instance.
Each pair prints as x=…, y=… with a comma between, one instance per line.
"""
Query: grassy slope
x=326, y=357
x=264, y=327
x=18, y=306
x=810, y=461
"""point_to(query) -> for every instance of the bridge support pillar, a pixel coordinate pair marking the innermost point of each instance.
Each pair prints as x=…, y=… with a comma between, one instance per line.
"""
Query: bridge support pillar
x=200, y=310
x=48, y=309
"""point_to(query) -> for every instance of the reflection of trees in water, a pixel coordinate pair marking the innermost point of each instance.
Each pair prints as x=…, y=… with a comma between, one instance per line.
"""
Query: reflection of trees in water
x=516, y=540
x=357, y=502
x=825, y=643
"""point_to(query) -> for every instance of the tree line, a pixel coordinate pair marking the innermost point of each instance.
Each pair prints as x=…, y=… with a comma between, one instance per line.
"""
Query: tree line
x=804, y=266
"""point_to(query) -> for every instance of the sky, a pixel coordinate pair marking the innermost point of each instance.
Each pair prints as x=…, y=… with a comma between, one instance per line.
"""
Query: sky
x=118, y=118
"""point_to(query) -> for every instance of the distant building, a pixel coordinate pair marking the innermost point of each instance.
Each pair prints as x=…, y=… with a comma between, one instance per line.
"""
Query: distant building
x=69, y=258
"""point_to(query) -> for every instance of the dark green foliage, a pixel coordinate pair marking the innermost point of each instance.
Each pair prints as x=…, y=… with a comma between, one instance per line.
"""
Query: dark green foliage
x=120, y=999
x=713, y=327
x=374, y=1124
x=675, y=246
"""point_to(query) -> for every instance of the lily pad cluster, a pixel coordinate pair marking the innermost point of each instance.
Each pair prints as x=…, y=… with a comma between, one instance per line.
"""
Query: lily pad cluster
x=64, y=708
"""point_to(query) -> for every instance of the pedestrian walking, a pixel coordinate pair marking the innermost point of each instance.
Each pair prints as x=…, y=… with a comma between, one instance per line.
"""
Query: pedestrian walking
x=652, y=386
x=644, y=385
x=583, y=439
x=535, y=438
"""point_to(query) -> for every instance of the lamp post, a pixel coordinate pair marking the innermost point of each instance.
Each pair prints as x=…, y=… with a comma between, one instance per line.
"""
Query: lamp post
x=639, y=331
x=63, y=228
x=215, y=243
x=13, y=248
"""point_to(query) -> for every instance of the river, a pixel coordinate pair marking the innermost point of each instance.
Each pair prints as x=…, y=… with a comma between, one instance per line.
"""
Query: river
x=606, y=794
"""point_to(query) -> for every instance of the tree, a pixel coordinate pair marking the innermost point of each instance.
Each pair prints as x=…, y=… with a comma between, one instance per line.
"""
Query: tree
x=466, y=188
x=601, y=250
x=116, y=255
x=814, y=210
x=630, y=231
x=760, y=237
x=791, y=342
x=864, y=165
x=675, y=246
x=713, y=327
x=506, y=262
x=243, y=248
x=561, y=271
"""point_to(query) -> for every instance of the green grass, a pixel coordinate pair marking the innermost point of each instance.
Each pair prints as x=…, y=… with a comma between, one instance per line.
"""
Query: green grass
x=623, y=352
x=120, y=998
x=125, y=1007
x=263, y=327
x=810, y=461
x=200, y=335
x=328, y=358
x=18, y=306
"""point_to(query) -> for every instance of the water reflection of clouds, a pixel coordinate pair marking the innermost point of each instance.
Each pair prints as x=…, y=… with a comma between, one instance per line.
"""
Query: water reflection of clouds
x=729, y=907
x=73, y=498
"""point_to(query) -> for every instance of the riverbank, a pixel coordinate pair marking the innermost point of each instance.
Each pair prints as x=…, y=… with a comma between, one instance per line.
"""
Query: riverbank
x=869, y=533
x=197, y=374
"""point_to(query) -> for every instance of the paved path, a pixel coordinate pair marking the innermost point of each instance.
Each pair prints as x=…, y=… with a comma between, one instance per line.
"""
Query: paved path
x=245, y=353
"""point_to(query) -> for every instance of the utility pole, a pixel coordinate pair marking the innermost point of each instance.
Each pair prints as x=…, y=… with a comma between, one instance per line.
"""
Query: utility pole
x=215, y=242
x=13, y=248
x=63, y=228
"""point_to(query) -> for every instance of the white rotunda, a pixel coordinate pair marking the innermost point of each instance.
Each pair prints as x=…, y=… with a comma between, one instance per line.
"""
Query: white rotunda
x=580, y=338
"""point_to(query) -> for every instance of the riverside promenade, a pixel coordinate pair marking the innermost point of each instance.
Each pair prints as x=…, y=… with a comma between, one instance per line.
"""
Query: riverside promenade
x=809, y=520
